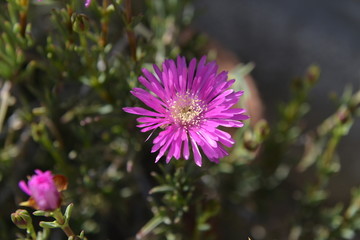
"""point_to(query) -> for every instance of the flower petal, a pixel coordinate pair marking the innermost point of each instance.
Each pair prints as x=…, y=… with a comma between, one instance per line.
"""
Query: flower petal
x=196, y=153
x=142, y=111
x=24, y=187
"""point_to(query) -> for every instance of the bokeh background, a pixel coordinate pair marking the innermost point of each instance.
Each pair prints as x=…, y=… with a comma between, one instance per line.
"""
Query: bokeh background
x=77, y=76
x=283, y=38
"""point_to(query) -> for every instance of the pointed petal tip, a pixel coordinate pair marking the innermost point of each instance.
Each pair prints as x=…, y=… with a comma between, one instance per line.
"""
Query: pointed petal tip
x=126, y=109
x=198, y=163
x=215, y=160
x=245, y=117
x=203, y=58
x=158, y=157
x=168, y=159
x=23, y=186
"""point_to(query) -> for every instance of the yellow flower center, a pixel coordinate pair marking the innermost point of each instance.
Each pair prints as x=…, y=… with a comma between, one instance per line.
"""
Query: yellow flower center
x=186, y=110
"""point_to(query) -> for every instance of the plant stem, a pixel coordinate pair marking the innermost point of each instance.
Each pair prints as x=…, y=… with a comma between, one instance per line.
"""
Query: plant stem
x=129, y=30
x=31, y=231
x=4, y=96
x=69, y=26
x=64, y=224
x=104, y=24
x=23, y=17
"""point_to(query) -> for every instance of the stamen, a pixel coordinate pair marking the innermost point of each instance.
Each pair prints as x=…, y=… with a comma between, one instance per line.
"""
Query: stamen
x=186, y=109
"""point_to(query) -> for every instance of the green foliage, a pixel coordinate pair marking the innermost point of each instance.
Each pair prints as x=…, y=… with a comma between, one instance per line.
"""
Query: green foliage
x=63, y=85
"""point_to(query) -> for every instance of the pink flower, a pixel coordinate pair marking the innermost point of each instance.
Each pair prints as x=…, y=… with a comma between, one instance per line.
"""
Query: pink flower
x=188, y=103
x=87, y=3
x=44, y=190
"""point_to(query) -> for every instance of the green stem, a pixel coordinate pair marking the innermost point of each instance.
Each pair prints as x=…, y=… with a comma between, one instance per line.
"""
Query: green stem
x=64, y=223
x=31, y=231
x=330, y=150
x=104, y=24
x=5, y=98
x=129, y=31
x=23, y=17
x=69, y=26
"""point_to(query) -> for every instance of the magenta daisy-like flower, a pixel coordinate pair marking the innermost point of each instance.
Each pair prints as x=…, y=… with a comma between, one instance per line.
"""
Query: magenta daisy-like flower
x=188, y=104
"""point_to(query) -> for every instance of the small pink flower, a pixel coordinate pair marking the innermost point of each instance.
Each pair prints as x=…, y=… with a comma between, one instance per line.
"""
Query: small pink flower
x=87, y=3
x=44, y=190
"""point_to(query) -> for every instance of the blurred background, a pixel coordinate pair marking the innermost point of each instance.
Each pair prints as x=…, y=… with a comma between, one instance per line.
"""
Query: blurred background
x=283, y=38
x=64, y=83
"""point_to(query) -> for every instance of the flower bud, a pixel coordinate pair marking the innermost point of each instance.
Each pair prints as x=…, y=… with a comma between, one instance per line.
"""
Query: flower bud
x=249, y=142
x=313, y=74
x=80, y=23
x=344, y=116
x=21, y=218
x=44, y=190
x=262, y=129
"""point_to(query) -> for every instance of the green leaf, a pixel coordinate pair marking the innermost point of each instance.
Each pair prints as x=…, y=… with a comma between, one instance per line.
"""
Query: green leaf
x=204, y=227
x=68, y=212
x=149, y=226
x=53, y=224
x=162, y=188
x=41, y=213
x=347, y=233
x=82, y=235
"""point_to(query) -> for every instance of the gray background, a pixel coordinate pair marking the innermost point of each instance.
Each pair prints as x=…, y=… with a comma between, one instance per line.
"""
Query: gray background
x=284, y=37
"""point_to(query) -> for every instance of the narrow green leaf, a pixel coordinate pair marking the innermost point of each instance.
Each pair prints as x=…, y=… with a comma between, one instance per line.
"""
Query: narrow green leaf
x=53, y=224
x=41, y=213
x=149, y=226
x=68, y=212
x=162, y=188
